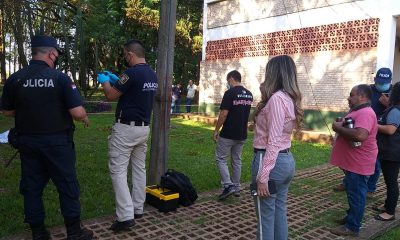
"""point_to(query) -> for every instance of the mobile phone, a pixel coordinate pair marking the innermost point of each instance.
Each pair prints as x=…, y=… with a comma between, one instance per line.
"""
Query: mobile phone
x=271, y=188
x=386, y=94
x=253, y=189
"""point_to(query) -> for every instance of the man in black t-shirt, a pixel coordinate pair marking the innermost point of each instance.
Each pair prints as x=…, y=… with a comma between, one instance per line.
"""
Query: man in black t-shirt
x=233, y=117
x=127, y=144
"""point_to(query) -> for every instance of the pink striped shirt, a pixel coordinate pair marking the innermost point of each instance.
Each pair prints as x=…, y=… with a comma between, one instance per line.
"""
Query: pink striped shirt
x=273, y=130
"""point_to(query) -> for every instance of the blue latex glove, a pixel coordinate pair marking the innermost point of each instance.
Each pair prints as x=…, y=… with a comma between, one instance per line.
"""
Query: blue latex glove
x=102, y=78
x=113, y=78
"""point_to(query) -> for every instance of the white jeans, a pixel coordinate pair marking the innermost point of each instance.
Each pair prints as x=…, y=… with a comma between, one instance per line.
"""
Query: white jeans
x=128, y=144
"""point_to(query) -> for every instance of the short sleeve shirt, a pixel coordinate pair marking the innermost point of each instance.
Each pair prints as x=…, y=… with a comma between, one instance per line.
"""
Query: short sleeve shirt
x=360, y=160
x=71, y=95
x=41, y=97
x=191, y=91
x=393, y=117
x=237, y=101
x=138, y=86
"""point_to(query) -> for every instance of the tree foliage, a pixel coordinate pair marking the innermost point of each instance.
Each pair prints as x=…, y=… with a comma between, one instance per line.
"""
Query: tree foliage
x=92, y=34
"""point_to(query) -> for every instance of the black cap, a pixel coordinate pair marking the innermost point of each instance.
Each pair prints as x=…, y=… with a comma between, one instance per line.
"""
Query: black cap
x=45, y=41
x=383, y=75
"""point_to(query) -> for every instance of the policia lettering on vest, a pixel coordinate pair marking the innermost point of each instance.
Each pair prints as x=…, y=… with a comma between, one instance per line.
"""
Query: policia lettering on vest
x=44, y=102
x=34, y=83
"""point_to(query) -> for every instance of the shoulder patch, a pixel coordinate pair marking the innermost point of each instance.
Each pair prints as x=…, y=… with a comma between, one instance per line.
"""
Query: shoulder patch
x=123, y=78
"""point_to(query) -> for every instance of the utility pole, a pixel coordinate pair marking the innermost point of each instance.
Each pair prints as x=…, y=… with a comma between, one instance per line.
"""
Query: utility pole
x=162, y=103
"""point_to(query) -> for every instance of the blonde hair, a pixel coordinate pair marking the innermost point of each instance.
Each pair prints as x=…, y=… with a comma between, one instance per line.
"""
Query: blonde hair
x=281, y=74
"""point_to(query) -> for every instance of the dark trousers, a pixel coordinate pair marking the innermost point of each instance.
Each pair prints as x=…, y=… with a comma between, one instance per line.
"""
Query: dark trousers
x=177, y=106
x=188, y=104
x=44, y=158
x=390, y=172
x=356, y=189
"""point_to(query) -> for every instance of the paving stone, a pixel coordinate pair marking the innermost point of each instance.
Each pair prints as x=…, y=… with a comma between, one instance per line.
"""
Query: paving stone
x=235, y=218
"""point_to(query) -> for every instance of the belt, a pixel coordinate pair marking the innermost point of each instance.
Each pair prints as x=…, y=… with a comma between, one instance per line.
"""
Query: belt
x=287, y=150
x=132, y=123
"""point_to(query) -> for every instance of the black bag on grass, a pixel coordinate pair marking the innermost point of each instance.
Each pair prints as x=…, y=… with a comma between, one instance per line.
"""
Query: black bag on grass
x=179, y=182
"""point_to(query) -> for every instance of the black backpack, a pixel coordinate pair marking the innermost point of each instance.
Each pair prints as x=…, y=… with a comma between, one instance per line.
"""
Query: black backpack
x=179, y=182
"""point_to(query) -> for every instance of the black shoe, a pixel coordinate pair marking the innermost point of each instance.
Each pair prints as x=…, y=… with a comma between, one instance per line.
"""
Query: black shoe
x=227, y=192
x=76, y=232
x=82, y=234
x=343, y=231
x=40, y=233
x=138, y=216
x=122, y=226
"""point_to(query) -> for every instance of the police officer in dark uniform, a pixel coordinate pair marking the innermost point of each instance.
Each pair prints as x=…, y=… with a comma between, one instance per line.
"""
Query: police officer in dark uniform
x=44, y=102
x=127, y=144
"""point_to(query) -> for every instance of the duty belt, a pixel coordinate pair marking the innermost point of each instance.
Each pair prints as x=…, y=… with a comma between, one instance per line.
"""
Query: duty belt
x=132, y=123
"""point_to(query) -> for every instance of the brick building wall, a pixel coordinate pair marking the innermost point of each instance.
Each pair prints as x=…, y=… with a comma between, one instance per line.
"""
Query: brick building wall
x=330, y=58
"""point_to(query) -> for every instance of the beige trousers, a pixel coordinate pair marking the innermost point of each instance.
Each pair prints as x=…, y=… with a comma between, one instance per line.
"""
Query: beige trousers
x=128, y=144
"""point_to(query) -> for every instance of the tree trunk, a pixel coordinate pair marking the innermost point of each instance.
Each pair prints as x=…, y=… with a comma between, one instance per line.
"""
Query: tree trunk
x=18, y=33
x=67, y=57
x=162, y=104
x=15, y=59
x=82, y=53
x=3, y=69
x=9, y=55
x=30, y=25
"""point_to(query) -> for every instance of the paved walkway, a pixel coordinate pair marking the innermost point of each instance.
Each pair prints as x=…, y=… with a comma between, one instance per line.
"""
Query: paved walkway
x=312, y=208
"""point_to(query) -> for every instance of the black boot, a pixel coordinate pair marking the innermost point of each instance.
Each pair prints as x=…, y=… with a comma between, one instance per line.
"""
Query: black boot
x=40, y=233
x=76, y=232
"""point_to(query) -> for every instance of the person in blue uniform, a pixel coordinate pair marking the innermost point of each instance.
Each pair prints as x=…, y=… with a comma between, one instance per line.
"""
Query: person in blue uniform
x=135, y=90
x=44, y=102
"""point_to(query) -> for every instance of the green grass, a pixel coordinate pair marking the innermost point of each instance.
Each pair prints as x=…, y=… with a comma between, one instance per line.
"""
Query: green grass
x=391, y=234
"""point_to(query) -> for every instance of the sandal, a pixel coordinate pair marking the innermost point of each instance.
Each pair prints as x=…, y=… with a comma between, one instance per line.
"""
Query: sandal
x=380, y=218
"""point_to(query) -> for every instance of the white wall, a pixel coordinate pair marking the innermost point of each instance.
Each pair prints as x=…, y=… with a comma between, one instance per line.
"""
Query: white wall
x=396, y=64
x=386, y=42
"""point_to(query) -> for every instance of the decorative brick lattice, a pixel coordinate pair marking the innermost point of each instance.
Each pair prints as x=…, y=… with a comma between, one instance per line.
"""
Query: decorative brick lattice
x=358, y=34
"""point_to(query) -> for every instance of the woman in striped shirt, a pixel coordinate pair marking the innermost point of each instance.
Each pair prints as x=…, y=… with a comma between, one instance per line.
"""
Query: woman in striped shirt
x=275, y=117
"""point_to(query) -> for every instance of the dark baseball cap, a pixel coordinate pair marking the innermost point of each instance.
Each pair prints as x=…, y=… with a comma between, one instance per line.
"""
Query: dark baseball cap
x=45, y=41
x=383, y=75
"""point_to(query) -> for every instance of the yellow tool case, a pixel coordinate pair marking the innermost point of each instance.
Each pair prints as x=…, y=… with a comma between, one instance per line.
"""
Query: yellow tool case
x=163, y=199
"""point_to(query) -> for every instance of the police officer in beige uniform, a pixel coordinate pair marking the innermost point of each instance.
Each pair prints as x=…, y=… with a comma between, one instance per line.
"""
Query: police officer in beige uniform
x=127, y=144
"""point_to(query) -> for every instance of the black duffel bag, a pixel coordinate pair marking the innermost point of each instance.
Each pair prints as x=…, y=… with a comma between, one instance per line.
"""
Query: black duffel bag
x=179, y=182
